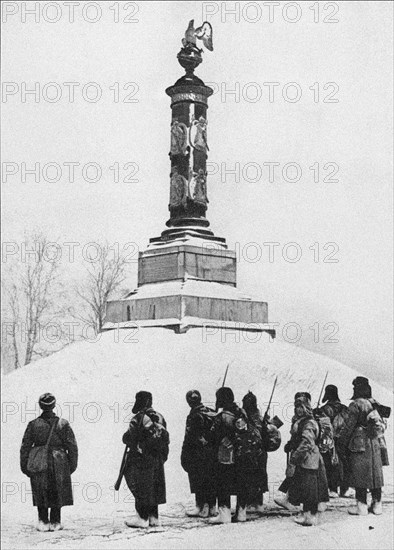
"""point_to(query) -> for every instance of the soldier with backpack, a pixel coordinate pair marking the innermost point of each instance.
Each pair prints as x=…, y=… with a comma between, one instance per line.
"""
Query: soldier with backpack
x=148, y=441
x=249, y=464
x=337, y=412
x=223, y=437
x=197, y=456
x=268, y=432
x=359, y=443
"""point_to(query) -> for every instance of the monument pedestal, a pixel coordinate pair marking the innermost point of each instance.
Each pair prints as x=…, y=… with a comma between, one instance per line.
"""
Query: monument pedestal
x=187, y=283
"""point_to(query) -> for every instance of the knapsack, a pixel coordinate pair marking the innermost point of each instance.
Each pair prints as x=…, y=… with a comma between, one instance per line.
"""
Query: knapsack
x=326, y=434
x=248, y=444
x=208, y=416
x=154, y=438
x=340, y=420
x=272, y=438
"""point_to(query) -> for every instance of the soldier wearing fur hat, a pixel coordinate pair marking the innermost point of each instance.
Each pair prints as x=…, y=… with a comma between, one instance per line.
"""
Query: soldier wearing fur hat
x=306, y=481
x=51, y=487
x=260, y=486
x=148, y=441
x=223, y=433
x=197, y=457
x=336, y=468
x=359, y=443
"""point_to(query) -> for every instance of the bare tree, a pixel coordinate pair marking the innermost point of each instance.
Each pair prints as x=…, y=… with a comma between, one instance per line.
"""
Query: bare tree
x=30, y=292
x=14, y=308
x=104, y=277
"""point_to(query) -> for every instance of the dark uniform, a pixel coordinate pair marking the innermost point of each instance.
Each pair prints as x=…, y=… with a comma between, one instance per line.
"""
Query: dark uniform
x=52, y=488
x=223, y=433
x=336, y=469
x=260, y=481
x=144, y=473
x=197, y=456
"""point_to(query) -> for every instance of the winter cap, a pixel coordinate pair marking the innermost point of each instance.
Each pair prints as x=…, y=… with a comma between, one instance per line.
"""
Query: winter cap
x=331, y=393
x=47, y=401
x=193, y=397
x=303, y=394
x=362, y=390
x=224, y=397
x=143, y=400
x=360, y=381
x=249, y=401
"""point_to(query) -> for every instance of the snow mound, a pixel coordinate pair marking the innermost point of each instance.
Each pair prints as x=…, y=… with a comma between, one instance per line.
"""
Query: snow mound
x=95, y=384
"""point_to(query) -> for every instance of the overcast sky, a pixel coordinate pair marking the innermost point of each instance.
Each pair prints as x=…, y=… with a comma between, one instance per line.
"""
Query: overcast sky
x=312, y=86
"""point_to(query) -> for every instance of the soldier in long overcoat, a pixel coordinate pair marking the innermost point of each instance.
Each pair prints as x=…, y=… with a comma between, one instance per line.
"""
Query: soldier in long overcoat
x=306, y=480
x=336, y=469
x=51, y=488
x=197, y=457
x=144, y=473
x=361, y=448
x=260, y=485
x=223, y=434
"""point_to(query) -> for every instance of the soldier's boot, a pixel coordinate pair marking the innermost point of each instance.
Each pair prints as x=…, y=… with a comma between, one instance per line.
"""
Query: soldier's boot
x=43, y=527
x=260, y=508
x=241, y=514
x=213, y=511
x=376, y=507
x=204, y=512
x=224, y=516
x=322, y=507
x=194, y=513
x=137, y=522
x=309, y=519
x=361, y=509
x=343, y=490
x=55, y=526
x=154, y=521
x=300, y=518
x=284, y=503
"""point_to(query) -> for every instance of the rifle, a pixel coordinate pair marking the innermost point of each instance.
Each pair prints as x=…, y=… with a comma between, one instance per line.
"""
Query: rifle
x=322, y=389
x=122, y=468
x=125, y=458
x=269, y=402
x=225, y=375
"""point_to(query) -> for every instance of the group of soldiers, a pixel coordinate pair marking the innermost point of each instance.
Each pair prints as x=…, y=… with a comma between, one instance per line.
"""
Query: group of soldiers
x=224, y=452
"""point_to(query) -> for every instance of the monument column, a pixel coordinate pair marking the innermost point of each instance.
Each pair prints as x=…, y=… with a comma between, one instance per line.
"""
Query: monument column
x=187, y=277
x=188, y=197
x=189, y=150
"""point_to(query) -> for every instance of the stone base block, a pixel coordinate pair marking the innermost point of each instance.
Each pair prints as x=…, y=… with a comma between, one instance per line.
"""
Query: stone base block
x=180, y=262
x=181, y=306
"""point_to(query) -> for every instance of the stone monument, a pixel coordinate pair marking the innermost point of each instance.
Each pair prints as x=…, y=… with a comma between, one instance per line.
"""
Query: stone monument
x=187, y=275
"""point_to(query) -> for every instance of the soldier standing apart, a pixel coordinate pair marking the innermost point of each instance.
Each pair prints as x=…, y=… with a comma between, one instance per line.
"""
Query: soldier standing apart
x=359, y=444
x=148, y=440
x=337, y=412
x=306, y=480
x=51, y=487
x=197, y=456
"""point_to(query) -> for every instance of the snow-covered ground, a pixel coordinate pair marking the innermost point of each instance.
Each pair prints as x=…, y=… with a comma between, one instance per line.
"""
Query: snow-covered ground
x=95, y=385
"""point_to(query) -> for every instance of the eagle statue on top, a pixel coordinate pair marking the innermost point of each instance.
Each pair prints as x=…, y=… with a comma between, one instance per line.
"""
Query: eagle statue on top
x=203, y=33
